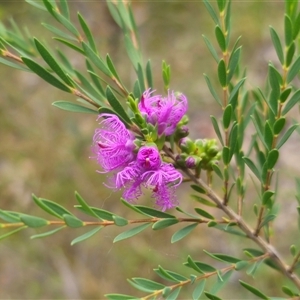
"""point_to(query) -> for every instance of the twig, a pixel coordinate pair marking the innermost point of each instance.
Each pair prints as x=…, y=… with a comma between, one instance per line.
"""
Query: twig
x=267, y=248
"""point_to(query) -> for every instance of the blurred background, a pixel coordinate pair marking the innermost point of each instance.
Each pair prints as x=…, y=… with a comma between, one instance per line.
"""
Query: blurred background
x=45, y=151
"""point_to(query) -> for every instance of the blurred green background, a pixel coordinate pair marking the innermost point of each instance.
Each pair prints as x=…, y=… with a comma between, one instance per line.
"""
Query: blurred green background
x=45, y=151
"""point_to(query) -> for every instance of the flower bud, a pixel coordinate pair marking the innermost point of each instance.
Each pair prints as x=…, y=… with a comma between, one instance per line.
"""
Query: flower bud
x=190, y=162
x=187, y=145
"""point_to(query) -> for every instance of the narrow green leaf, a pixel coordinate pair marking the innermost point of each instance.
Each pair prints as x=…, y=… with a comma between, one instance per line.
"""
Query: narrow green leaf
x=289, y=292
x=293, y=250
x=114, y=12
x=211, y=48
x=294, y=70
x=51, y=207
x=148, y=211
x=212, y=90
x=85, y=85
x=87, y=32
x=33, y=222
x=73, y=107
x=221, y=5
x=227, y=20
x=169, y=275
x=252, y=252
x=118, y=296
x=253, y=290
x=3, y=236
x=277, y=45
x=267, y=219
x=205, y=268
x=285, y=94
x=286, y=136
x=235, y=91
x=131, y=232
x=95, y=78
x=233, y=62
x=211, y=296
x=111, y=67
x=222, y=73
x=124, y=15
x=66, y=23
x=226, y=155
x=36, y=4
x=203, y=201
x=199, y=290
x=217, y=129
x=204, y=213
x=296, y=26
x=44, y=234
x=183, y=232
x=149, y=74
x=101, y=214
x=233, y=138
x=241, y=265
x=227, y=116
x=253, y=268
x=267, y=196
x=292, y=102
x=148, y=284
x=198, y=189
x=13, y=65
x=116, y=105
x=252, y=167
x=272, y=158
x=137, y=93
x=97, y=61
x=211, y=11
x=140, y=75
x=86, y=235
x=217, y=171
x=220, y=38
x=65, y=9
x=132, y=52
x=120, y=221
x=164, y=223
x=70, y=45
x=268, y=135
x=291, y=8
x=290, y=54
x=174, y=294
x=275, y=79
x=223, y=257
x=288, y=30
x=221, y=281
x=192, y=264
x=258, y=130
x=40, y=71
x=228, y=229
x=278, y=125
x=72, y=221
x=66, y=62
x=59, y=32
x=9, y=217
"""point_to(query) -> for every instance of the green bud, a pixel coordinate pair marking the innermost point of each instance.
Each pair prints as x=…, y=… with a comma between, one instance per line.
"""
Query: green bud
x=133, y=104
x=187, y=145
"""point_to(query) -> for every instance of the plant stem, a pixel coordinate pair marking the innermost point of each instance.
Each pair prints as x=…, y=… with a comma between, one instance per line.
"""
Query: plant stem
x=234, y=217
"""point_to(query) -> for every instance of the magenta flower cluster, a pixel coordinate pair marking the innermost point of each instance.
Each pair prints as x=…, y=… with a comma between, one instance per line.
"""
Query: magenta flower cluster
x=136, y=168
x=166, y=112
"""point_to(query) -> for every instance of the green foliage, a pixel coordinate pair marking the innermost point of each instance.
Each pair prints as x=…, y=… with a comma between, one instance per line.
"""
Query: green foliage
x=101, y=90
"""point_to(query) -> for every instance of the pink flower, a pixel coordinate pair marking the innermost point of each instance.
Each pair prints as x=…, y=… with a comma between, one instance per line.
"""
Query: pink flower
x=166, y=112
x=149, y=171
x=113, y=143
